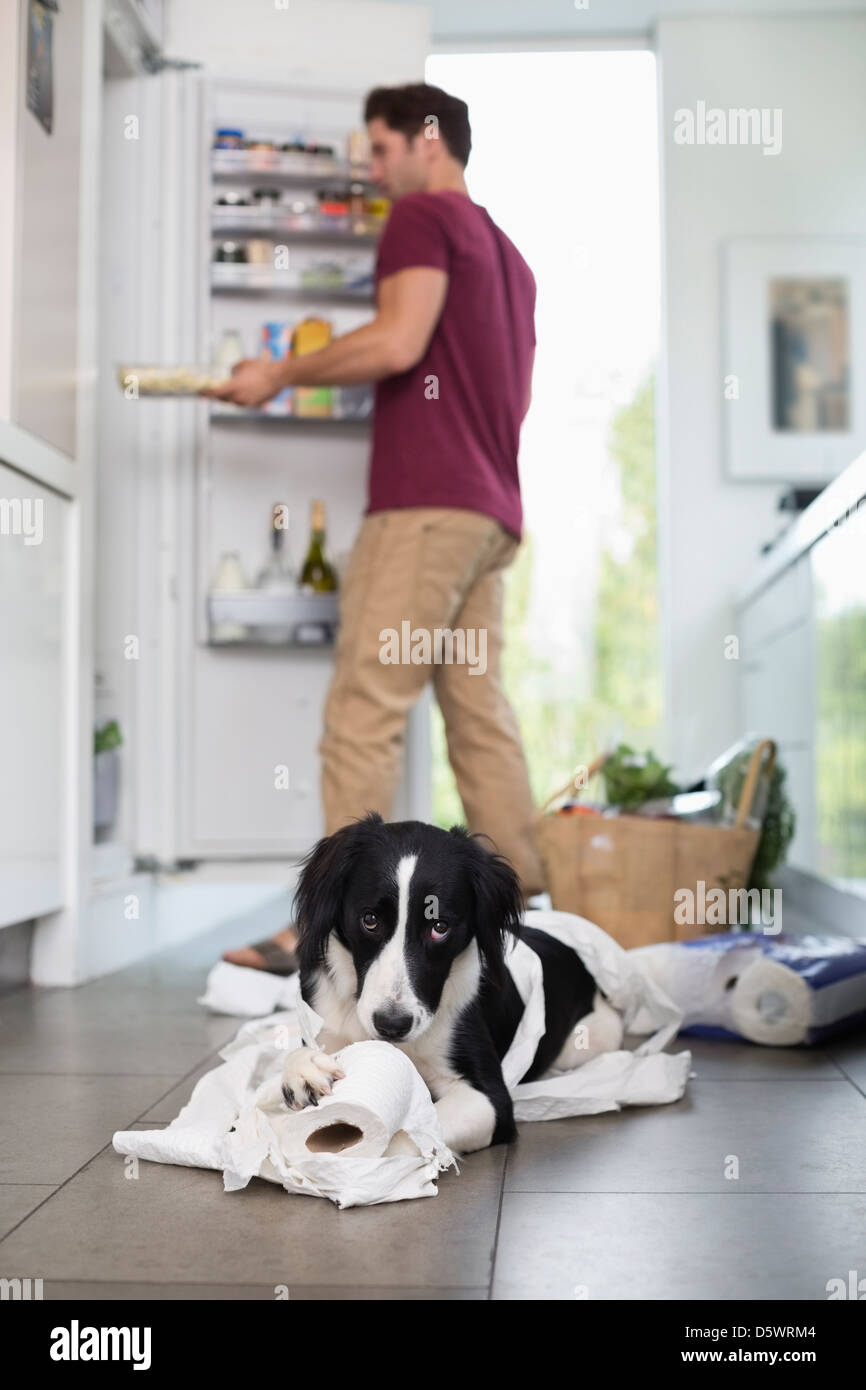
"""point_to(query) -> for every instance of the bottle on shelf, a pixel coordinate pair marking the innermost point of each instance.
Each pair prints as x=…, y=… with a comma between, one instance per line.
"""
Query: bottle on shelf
x=230, y=351
x=357, y=150
x=277, y=575
x=318, y=575
x=228, y=578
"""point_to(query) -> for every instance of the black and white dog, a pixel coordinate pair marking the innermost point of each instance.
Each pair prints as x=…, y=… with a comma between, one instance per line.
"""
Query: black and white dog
x=402, y=929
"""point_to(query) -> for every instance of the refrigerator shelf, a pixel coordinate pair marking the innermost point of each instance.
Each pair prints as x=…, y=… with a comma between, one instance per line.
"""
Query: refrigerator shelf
x=286, y=169
x=310, y=619
x=236, y=223
x=225, y=414
x=263, y=279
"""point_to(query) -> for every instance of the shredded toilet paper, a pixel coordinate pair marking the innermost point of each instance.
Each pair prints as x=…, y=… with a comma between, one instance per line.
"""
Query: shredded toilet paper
x=244, y=993
x=236, y=1120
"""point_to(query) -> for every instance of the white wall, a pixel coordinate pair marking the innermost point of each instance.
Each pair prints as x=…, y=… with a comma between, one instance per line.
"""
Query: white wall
x=45, y=343
x=579, y=19
x=295, y=41
x=711, y=528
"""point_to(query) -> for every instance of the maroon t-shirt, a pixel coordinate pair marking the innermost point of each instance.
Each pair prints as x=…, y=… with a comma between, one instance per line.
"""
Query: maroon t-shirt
x=446, y=432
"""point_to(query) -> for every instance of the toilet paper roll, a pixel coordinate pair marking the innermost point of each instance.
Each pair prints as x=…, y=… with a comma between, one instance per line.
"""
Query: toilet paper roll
x=771, y=1004
x=380, y=1095
x=697, y=980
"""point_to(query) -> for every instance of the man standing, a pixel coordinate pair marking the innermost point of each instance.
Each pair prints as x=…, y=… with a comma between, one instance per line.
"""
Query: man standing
x=451, y=350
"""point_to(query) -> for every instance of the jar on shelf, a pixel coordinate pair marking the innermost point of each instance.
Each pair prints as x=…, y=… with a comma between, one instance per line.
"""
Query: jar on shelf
x=231, y=253
x=267, y=198
x=228, y=138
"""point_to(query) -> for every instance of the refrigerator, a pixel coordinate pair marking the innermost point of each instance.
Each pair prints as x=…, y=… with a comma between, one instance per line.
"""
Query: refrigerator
x=219, y=759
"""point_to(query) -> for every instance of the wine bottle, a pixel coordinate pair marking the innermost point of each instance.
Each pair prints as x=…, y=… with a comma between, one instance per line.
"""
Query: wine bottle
x=318, y=575
x=277, y=574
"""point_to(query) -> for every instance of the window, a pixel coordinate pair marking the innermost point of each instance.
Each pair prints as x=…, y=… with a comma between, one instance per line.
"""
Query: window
x=565, y=159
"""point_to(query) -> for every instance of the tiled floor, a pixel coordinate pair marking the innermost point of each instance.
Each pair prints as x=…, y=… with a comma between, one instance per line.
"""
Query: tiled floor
x=643, y=1204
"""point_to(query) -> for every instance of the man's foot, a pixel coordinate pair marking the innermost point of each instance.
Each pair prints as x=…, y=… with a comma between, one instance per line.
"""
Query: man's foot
x=277, y=954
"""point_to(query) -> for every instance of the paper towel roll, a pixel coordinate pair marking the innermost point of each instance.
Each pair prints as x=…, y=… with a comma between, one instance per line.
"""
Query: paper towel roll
x=376, y=1099
x=771, y=1004
x=696, y=979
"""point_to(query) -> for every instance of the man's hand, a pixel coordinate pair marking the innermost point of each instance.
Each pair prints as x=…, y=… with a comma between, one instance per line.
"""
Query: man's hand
x=253, y=381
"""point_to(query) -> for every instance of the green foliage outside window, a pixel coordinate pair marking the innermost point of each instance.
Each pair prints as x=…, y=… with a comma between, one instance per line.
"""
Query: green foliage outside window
x=559, y=729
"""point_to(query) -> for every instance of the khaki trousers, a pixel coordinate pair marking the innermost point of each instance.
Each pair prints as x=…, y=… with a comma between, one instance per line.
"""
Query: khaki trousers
x=414, y=570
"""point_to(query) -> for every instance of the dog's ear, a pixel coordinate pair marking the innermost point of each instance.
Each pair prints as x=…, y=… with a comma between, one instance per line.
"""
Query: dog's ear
x=322, y=887
x=498, y=906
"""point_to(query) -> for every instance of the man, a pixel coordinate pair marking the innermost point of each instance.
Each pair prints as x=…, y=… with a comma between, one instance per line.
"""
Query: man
x=451, y=350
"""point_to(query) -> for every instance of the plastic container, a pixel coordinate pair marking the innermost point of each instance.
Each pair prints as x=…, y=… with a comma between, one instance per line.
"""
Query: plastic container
x=228, y=138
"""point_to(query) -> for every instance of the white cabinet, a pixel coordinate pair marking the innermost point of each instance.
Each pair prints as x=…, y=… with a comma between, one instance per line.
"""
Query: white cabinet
x=33, y=558
x=803, y=676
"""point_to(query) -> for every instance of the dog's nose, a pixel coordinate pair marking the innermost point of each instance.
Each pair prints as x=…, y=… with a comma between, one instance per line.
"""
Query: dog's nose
x=392, y=1024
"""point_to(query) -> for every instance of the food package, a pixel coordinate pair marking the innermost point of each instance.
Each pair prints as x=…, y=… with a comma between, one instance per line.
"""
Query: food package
x=138, y=381
x=311, y=335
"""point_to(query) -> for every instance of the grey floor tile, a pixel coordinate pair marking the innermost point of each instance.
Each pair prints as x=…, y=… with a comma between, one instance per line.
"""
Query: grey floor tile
x=62, y=1121
x=257, y=1292
x=677, y=1246
x=17, y=1200
x=63, y=1034
x=177, y=1225
x=169, y=1106
x=722, y=1060
x=850, y=1054
x=787, y=1136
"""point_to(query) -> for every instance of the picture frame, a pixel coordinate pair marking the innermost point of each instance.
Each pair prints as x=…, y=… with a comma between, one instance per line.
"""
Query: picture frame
x=793, y=357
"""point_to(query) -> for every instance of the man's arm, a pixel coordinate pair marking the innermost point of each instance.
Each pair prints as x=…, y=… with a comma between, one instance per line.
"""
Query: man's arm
x=409, y=305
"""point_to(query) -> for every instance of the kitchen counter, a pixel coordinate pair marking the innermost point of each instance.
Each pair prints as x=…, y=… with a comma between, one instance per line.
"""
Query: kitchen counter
x=840, y=499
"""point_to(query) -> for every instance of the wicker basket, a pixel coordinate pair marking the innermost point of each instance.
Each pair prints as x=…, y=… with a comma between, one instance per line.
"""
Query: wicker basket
x=622, y=872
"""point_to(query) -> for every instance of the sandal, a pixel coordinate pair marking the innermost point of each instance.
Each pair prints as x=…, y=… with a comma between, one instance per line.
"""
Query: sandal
x=277, y=960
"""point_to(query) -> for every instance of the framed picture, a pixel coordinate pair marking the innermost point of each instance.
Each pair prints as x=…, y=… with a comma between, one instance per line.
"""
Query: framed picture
x=794, y=357
x=40, y=62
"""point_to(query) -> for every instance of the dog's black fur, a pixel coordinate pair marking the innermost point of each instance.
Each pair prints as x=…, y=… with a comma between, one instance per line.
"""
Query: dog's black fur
x=459, y=899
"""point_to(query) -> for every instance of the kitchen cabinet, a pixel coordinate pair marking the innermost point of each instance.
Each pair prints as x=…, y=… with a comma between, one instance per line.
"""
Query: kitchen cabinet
x=33, y=671
x=803, y=676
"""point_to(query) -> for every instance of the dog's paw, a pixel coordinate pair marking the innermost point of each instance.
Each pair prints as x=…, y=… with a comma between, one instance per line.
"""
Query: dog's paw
x=307, y=1075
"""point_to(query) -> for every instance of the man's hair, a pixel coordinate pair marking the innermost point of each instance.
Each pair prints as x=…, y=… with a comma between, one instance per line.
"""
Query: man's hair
x=409, y=108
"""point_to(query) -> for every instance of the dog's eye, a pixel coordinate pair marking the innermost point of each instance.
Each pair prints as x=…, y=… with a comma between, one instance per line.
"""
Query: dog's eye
x=439, y=930
x=370, y=921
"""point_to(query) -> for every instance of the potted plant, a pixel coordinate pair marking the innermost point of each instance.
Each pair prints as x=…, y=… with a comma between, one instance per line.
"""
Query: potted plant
x=106, y=774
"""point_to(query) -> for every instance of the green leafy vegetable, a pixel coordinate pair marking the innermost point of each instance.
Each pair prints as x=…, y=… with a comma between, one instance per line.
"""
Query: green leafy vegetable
x=777, y=830
x=632, y=778
x=107, y=737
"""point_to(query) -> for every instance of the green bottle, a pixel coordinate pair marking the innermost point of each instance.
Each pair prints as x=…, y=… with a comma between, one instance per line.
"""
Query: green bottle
x=318, y=575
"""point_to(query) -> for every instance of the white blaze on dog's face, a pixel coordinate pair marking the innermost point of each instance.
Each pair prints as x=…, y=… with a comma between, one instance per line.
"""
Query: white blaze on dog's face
x=388, y=1006
x=403, y=916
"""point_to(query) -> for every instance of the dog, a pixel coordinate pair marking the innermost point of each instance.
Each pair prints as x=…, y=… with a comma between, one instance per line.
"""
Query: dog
x=402, y=933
